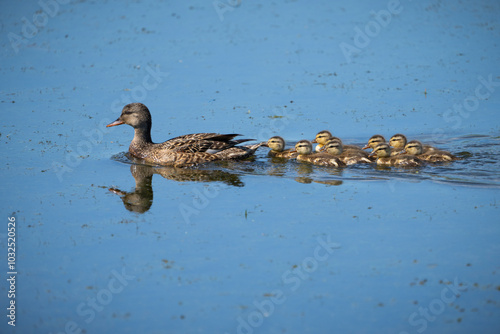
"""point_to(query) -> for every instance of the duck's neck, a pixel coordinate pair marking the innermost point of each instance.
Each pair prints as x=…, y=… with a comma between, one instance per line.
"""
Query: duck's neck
x=142, y=136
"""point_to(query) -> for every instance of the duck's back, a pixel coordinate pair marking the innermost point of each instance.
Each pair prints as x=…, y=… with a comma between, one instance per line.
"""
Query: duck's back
x=288, y=154
x=351, y=157
x=201, y=142
x=437, y=156
x=403, y=160
x=321, y=159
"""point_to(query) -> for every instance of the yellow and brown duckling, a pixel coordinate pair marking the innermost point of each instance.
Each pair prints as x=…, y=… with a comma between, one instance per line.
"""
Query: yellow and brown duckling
x=321, y=139
x=186, y=150
x=277, y=146
x=324, y=136
x=305, y=153
x=399, y=141
x=348, y=157
x=415, y=147
x=384, y=158
x=374, y=141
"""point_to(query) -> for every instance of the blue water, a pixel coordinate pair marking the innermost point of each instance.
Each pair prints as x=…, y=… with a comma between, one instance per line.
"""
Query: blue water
x=105, y=244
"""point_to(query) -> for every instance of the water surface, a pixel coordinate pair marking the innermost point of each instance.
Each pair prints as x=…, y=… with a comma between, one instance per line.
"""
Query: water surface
x=106, y=244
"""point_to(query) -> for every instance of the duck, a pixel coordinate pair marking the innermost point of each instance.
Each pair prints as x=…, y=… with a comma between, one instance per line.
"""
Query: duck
x=383, y=153
x=374, y=141
x=181, y=151
x=399, y=141
x=277, y=146
x=416, y=148
x=348, y=157
x=323, y=136
x=305, y=154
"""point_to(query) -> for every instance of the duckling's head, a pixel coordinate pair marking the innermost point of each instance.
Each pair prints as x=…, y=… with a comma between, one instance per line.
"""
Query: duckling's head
x=381, y=151
x=136, y=115
x=322, y=137
x=374, y=141
x=276, y=143
x=398, y=141
x=414, y=147
x=303, y=147
x=333, y=147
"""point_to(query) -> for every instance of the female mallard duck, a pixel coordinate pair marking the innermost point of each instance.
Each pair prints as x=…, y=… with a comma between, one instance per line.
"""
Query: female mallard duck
x=277, y=146
x=399, y=141
x=415, y=147
x=383, y=153
x=180, y=151
x=374, y=141
x=304, y=150
x=348, y=157
x=324, y=136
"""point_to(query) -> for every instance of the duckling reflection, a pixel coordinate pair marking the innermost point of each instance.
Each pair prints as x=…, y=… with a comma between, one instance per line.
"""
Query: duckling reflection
x=141, y=198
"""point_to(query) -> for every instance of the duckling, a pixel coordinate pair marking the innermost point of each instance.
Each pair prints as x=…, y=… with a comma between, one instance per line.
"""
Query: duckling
x=277, y=146
x=415, y=147
x=374, y=141
x=399, y=141
x=304, y=150
x=348, y=157
x=323, y=136
x=186, y=150
x=383, y=153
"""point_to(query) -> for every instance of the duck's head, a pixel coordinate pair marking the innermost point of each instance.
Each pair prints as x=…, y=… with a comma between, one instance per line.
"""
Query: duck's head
x=276, y=143
x=398, y=141
x=134, y=114
x=322, y=137
x=413, y=147
x=303, y=147
x=374, y=141
x=381, y=151
x=333, y=147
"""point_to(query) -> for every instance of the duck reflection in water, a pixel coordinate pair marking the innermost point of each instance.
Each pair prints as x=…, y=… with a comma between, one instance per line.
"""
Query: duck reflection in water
x=141, y=198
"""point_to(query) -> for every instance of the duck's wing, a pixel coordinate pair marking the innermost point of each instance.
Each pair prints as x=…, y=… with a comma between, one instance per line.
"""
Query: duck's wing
x=238, y=152
x=201, y=142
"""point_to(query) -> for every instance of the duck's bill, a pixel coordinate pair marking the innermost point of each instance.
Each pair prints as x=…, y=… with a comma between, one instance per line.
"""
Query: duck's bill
x=115, y=123
x=314, y=141
x=364, y=148
x=371, y=155
x=264, y=144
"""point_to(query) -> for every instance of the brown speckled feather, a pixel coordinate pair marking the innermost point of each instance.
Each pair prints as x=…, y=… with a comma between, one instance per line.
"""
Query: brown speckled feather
x=288, y=154
x=321, y=159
